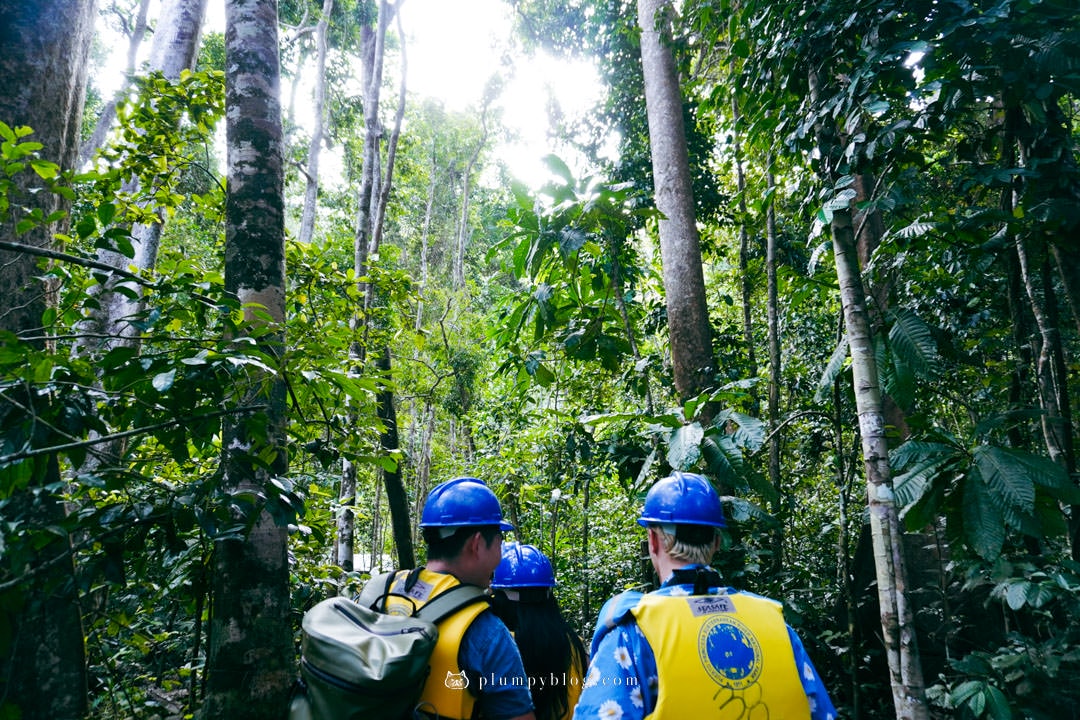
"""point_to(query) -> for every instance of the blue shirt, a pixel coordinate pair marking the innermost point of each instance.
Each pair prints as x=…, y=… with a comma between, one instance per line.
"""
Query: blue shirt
x=622, y=682
x=492, y=663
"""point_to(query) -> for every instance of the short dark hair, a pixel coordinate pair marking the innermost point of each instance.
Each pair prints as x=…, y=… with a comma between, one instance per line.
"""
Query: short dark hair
x=449, y=547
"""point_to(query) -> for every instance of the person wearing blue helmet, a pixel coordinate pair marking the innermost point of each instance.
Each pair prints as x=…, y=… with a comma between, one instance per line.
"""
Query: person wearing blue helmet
x=553, y=654
x=462, y=526
x=694, y=647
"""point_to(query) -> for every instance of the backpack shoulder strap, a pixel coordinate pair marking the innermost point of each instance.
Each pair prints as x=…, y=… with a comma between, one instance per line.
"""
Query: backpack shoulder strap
x=374, y=593
x=450, y=601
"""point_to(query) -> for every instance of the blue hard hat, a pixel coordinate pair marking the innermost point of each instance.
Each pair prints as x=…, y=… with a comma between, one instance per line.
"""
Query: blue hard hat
x=683, y=499
x=523, y=566
x=461, y=502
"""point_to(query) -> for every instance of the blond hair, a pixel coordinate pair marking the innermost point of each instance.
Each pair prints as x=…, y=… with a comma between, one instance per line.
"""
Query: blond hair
x=687, y=552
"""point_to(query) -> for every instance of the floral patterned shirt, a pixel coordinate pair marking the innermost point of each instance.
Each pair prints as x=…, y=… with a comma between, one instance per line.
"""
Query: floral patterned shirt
x=622, y=681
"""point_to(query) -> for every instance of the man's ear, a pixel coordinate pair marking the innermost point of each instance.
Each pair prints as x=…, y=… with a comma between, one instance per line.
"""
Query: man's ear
x=655, y=543
x=472, y=545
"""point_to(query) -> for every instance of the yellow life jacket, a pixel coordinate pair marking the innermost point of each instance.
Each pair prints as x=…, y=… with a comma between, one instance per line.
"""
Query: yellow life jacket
x=446, y=693
x=721, y=656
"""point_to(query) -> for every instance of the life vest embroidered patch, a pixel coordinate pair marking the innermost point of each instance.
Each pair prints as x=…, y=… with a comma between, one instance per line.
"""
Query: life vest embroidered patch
x=729, y=652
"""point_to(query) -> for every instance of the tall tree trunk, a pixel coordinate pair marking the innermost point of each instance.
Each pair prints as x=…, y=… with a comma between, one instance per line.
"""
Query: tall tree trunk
x=393, y=480
x=1034, y=258
x=371, y=46
x=690, y=334
x=897, y=616
x=42, y=86
x=396, y=495
x=174, y=49
x=250, y=655
x=744, y=254
x=463, y=217
x=108, y=112
x=311, y=191
x=775, y=377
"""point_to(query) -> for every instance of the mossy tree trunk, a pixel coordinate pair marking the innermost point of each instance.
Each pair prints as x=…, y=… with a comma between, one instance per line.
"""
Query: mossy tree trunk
x=250, y=664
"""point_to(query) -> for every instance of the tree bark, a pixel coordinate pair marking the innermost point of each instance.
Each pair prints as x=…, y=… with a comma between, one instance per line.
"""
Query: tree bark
x=897, y=616
x=250, y=664
x=775, y=378
x=311, y=191
x=42, y=86
x=690, y=333
x=174, y=49
x=108, y=112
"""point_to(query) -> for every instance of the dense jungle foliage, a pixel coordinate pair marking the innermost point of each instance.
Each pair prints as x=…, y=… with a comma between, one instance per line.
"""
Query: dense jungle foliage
x=521, y=333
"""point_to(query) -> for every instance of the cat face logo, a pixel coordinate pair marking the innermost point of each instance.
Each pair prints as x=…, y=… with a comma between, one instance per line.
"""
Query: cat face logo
x=456, y=681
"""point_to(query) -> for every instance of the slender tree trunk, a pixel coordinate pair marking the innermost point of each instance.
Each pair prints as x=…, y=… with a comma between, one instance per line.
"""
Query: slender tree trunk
x=174, y=49
x=744, y=254
x=311, y=191
x=689, y=330
x=897, y=617
x=42, y=86
x=1051, y=368
x=425, y=234
x=463, y=233
x=775, y=378
x=108, y=112
x=393, y=480
x=396, y=495
x=250, y=663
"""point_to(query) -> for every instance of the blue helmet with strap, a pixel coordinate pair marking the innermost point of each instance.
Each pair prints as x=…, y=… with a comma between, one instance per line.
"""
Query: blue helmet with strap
x=523, y=566
x=682, y=499
x=462, y=502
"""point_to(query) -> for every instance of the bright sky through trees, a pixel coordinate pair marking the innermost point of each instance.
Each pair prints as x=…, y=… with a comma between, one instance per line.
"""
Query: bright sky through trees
x=453, y=49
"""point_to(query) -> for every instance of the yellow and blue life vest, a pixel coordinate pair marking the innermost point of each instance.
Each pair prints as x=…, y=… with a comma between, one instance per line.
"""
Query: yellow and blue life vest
x=445, y=693
x=730, y=653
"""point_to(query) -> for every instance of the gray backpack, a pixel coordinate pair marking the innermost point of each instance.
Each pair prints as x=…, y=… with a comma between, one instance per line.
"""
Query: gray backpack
x=358, y=662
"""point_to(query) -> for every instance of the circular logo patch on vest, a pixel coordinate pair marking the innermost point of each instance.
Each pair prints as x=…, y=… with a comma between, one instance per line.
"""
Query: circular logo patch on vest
x=729, y=652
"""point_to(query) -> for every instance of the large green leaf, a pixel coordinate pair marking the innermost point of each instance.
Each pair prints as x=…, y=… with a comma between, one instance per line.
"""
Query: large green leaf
x=913, y=344
x=1009, y=481
x=684, y=447
x=836, y=365
x=983, y=523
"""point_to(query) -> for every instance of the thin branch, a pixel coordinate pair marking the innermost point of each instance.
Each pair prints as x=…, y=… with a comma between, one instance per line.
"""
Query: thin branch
x=85, y=262
x=126, y=434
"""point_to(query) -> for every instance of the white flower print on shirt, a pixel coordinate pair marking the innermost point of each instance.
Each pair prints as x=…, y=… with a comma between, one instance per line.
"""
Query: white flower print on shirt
x=610, y=710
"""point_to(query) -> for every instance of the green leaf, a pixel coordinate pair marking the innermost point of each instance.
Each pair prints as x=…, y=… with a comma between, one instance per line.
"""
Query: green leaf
x=913, y=344
x=106, y=212
x=558, y=167
x=984, y=526
x=163, y=381
x=684, y=446
x=997, y=705
x=1008, y=480
x=835, y=366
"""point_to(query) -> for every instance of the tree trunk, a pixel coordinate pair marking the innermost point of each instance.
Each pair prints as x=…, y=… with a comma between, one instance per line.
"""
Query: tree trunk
x=396, y=495
x=689, y=330
x=174, y=49
x=311, y=192
x=744, y=256
x=42, y=86
x=250, y=664
x=108, y=112
x=775, y=379
x=463, y=217
x=897, y=616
